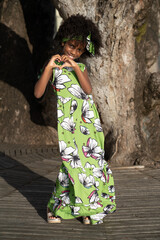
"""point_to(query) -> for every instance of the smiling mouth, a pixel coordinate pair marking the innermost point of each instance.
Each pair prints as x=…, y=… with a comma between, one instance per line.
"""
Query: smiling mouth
x=70, y=56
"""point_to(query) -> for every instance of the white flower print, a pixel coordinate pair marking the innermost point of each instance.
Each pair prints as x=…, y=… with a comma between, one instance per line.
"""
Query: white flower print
x=92, y=150
x=77, y=91
x=63, y=179
x=73, y=106
x=75, y=161
x=97, y=172
x=59, y=113
x=101, y=163
x=91, y=99
x=86, y=181
x=78, y=200
x=65, y=197
x=64, y=100
x=107, y=196
x=64, y=151
x=95, y=205
x=93, y=199
x=57, y=204
x=111, y=189
x=60, y=80
x=97, y=125
x=109, y=172
x=108, y=208
x=75, y=210
x=98, y=217
x=70, y=155
x=88, y=165
x=68, y=124
x=86, y=113
x=84, y=130
x=112, y=198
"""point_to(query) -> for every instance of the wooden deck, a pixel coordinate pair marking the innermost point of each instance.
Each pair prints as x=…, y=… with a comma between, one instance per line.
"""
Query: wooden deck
x=27, y=177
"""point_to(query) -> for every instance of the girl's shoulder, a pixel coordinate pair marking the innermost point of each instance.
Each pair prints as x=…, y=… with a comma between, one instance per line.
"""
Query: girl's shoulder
x=82, y=66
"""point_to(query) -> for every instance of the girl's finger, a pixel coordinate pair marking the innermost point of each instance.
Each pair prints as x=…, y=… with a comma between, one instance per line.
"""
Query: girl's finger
x=64, y=58
x=56, y=57
x=66, y=64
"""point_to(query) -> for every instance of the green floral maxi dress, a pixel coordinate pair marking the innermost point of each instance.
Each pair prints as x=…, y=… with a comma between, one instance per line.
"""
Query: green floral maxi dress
x=85, y=185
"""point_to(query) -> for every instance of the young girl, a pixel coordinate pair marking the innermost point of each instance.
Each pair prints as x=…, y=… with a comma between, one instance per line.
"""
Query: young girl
x=84, y=186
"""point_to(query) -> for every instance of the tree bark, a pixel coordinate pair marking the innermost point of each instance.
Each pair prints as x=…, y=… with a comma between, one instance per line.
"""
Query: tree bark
x=20, y=114
x=121, y=72
x=124, y=89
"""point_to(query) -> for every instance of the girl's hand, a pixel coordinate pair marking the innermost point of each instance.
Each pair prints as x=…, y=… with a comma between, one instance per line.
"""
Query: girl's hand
x=51, y=64
x=68, y=62
x=41, y=84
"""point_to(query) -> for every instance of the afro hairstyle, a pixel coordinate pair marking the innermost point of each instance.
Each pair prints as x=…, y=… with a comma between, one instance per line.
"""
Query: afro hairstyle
x=77, y=25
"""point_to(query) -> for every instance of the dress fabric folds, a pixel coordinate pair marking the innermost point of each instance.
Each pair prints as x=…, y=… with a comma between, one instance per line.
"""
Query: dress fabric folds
x=84, y=185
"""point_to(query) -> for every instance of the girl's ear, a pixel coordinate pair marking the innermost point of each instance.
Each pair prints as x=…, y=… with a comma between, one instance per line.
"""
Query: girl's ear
x=62, y=44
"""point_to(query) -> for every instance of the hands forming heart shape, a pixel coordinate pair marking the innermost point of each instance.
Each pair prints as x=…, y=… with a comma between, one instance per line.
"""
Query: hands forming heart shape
x=58, y=62
x=64, y=62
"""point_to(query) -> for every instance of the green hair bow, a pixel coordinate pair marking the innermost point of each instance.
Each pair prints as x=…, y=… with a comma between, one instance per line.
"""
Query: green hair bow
x=90, y=46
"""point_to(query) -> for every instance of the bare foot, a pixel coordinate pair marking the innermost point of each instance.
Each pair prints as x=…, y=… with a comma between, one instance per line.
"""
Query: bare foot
x=86, y=220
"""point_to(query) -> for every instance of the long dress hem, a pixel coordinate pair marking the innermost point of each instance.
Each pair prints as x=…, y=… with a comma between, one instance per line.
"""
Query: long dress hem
x=84, y=185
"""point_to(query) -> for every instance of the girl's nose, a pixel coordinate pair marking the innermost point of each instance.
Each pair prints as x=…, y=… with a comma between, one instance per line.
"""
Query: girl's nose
x=73, y=51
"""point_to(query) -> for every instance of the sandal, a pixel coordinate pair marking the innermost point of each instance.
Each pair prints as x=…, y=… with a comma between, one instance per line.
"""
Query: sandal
x=86, y=220
x=54, y=219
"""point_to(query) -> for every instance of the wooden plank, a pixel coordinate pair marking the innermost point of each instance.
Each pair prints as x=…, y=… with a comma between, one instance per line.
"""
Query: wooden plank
x=26, y=183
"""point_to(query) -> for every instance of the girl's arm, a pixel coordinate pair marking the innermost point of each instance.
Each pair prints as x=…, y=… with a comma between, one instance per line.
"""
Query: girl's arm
x=82, y=76
x=41, y=84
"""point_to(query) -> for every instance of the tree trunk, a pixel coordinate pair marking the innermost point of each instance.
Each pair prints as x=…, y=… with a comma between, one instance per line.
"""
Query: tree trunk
x=120, y=75
x=127, y=94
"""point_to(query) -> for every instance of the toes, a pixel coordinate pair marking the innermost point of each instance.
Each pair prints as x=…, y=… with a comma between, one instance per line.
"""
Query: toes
x=51, y=217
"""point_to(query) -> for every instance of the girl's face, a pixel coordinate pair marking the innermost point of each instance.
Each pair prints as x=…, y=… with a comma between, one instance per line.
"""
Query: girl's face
x=73, y=48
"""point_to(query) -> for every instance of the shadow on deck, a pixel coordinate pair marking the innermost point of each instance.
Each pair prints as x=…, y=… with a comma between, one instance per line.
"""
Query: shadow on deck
x=27, y=177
